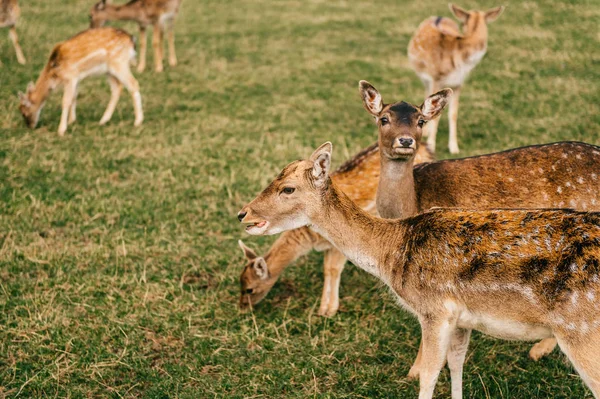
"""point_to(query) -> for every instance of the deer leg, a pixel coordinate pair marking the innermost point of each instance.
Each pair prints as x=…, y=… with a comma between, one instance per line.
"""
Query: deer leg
x=70, y=88
x=542, y=348
x=453, y=118
x=115, y=93
x=582, y=351
x=414, y=371
x=171, y=42
x=72, y=110
x=143, y=41
x=333, y=266
x=432, y=126
x=12, y=33
x=157, y=36
x=437, y=334
x=456, y=359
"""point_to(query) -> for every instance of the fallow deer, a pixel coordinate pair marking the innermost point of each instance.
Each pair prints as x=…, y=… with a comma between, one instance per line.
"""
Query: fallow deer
x=9, y=15
x=564, y=174
x=92, y=52
x=517, y=274
x=160, y=14
x=443, y=57
x=358, y=179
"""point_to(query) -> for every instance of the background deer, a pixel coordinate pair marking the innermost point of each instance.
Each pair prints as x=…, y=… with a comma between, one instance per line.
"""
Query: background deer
x=160, y=13
x=554, y=175
x=443, y=57
x=94, y=51
x=9, y=15
x=358, y=178
x=511, y=274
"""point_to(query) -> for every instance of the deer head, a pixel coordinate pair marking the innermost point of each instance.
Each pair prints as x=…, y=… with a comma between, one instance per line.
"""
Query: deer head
x=401, y=124
x=473, y=19
x=292, y=197
x=29, y=108
x=256, y=281
x=98, y=14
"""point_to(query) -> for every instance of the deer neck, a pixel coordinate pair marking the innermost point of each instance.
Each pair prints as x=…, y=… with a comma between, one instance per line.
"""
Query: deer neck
x=124, y=12
x=396, y=196
x=43, y=86
x=288, y=247
x=365, y=240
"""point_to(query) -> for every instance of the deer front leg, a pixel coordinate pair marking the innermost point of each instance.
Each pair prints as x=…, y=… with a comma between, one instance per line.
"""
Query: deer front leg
x=456, y=359
x=333, y=266
x=143, y=41
x=69, y=94
x=115, y=93
x=171, y=42
x=453, y=117
x=157, y=36
x=436, y=340
x=12, y=33
x=414, y=371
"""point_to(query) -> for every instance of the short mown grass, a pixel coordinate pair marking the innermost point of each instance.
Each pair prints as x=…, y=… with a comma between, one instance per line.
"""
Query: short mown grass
x=118, y=257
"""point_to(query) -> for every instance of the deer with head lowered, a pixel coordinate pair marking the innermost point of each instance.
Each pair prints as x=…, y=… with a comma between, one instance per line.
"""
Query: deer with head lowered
x=564, y=174
x=158, y=13
x=9, y=15
x=357, y=178
x=92, y=52
x=510, y=273
x=442, y=56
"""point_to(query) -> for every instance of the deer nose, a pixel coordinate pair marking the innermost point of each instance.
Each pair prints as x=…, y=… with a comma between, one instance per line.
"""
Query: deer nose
x=242, y=215
x=405, y=142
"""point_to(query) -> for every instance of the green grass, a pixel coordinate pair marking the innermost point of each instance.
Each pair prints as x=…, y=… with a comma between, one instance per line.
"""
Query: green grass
x=118, y=257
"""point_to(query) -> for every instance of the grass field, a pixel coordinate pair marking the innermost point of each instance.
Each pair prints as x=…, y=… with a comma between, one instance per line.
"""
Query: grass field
x=119, y=261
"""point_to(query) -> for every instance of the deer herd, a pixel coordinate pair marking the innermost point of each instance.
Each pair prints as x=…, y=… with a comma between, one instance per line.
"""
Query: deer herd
x=507, y=243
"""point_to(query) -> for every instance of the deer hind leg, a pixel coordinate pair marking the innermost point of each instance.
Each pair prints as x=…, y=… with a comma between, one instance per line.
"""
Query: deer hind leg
x=437, y=335
x=68, y=97
x=542, y=348
x=333, y=266
x=456, y=359
x=453, y=118
x=12, y=33
x=583, y=353
x=72, y=110
x=432, y=126
x=171, y=42
x=115, y=93
x=157, y=44
x=143, y=42
x=123, y=74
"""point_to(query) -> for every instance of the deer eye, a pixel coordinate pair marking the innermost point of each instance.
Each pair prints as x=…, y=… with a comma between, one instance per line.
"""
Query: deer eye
x=249, y=291
x=288, y=190
x=384, y=120
x=420, y=123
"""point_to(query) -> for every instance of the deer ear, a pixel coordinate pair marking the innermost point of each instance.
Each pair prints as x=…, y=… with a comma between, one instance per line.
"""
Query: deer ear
x=493, y=14
x=260, y=268
x=322, y=162
x=101, y=5
x=435, y=103
x=372, y=100
x=459, y=13
x=249, y=253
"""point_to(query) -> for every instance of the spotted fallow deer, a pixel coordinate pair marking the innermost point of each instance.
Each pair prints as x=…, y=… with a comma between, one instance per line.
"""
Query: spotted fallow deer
x=358, y=178
x=106, y=51
x=442, y=56
x=564, y=174
x=518, y=274
x=9, y=15
x=160, y=14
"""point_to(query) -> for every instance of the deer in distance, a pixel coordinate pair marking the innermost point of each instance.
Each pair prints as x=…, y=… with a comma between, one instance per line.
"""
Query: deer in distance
x=557, y=175
x=106, y=51
x=160, y=14
x=9, y=15
x=518, y=274
x=442, y=56
x=358, y=178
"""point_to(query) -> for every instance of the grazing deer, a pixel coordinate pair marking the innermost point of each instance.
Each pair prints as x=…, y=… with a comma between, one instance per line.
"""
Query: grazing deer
x=9, y=15
x=443, y=57
x=565, y=174
x=92, y=52
x=358, y=179
x=514, y=274
x=160, y=13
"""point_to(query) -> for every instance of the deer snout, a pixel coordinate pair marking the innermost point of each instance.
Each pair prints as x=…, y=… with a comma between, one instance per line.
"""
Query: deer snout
x=241, y=215
x=405, y=142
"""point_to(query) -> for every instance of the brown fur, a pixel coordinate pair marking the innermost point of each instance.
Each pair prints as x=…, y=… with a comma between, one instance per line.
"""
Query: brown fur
x=443, y=57
x=93, y=51
x=358, y=178
x=514, y=274
x=9, y=16
x=160, y=14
